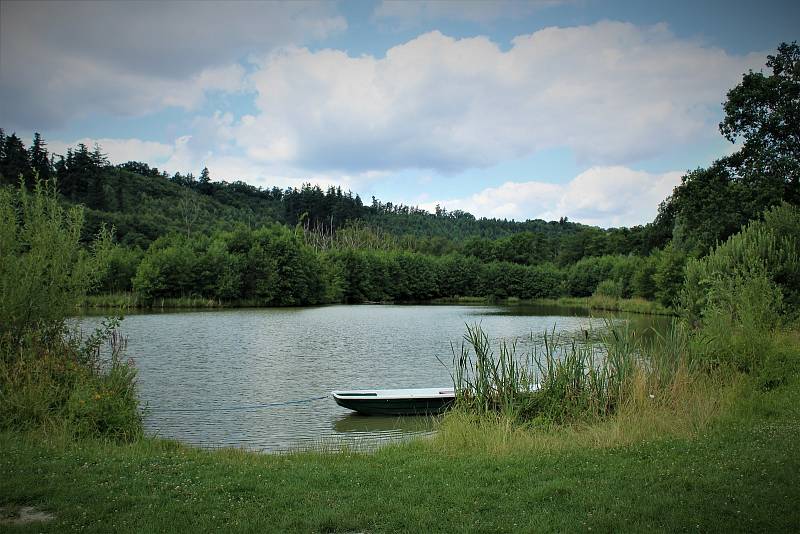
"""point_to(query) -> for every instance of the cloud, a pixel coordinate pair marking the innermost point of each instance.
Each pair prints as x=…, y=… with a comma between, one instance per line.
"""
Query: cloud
x=612, y=92
x=602, y=196
x=60, y=60
x=411, y=12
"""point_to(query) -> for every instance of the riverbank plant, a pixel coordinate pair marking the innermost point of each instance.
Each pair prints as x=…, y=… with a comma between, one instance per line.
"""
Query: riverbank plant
x=575, y=379
x=50, y=375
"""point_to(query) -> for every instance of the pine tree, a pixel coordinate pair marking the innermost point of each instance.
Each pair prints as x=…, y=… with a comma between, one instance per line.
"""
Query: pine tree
x=204, y=184
x=38, y=158
x=15, y=161
x=95, y=191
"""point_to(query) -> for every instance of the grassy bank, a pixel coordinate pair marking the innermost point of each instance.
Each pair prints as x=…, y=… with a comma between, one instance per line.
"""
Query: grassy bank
x=601, y=302
x=595, y=302
x=130, y=301
x=737, y=474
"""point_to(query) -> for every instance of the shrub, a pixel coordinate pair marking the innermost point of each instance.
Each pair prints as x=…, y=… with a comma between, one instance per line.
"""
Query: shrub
x=769, y=248
x=609, y=288
x=49, y=375
x=44, y=271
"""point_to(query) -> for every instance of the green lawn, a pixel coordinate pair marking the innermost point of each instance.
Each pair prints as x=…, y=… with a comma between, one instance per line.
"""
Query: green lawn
x=739, y=475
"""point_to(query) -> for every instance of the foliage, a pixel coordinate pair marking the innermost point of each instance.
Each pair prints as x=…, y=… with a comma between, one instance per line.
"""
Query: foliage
x=768, y=248
x=763, y=111
x=669, y=274
x=84, y=385
x=737, y=295
x=48, y=375
x=609, y=288
x=44, y=272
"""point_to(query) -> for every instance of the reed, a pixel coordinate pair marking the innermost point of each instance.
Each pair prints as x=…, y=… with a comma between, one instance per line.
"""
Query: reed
x=485, y=383
x=562, y=380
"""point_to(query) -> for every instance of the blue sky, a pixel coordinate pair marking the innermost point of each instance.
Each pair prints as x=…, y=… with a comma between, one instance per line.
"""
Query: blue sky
x=512, y=109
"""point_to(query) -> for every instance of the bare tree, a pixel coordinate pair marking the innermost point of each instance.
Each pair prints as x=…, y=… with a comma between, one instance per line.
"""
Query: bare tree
x=190, y=210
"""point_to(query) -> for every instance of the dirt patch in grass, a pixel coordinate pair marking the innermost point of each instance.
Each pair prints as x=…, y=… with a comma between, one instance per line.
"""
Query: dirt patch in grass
x=22, y=515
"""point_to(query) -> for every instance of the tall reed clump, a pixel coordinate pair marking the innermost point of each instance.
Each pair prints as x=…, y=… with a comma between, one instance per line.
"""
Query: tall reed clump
x=50, y=375
x=563, y=380
x=484, y=383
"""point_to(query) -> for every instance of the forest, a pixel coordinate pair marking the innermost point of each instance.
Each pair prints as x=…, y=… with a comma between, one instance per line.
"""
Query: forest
x=181, y=236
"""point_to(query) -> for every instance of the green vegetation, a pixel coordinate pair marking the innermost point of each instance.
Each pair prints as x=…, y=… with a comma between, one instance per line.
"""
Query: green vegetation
x=694, y=429
x=734, y=305
x=202, y=240
x=50, y=377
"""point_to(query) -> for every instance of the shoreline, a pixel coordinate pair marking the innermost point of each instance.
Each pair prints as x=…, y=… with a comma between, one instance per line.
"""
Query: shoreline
x=129, y=301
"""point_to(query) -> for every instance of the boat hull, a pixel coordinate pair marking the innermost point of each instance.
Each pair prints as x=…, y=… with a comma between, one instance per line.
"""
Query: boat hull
x=396, y=402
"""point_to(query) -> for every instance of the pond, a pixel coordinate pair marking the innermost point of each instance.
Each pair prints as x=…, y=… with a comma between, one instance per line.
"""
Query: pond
x=260, y=378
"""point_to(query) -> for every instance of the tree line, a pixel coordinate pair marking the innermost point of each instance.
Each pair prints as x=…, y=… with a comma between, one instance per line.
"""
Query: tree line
x=275, y=265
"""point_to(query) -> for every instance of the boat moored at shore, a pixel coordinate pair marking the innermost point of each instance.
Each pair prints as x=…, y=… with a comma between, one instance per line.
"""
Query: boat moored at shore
x=421, y=401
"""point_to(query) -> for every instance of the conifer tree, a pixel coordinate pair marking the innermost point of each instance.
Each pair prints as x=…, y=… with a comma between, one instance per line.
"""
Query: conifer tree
x=15, y=161
x=38, y=157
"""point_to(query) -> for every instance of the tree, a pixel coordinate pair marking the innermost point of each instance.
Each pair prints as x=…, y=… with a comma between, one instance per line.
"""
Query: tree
x=15, y=161
x=204, y=183
x=670, y=274
x=190, y=210
x=764, y=111
x=39, y=161
x=712, y=204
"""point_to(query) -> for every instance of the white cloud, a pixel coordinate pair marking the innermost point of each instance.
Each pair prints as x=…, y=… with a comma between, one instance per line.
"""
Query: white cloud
x=602, y=196
x=612, y=92
x=60, y=60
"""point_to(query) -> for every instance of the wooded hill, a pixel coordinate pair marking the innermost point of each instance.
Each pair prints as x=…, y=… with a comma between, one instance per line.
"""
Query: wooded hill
x=186, y=236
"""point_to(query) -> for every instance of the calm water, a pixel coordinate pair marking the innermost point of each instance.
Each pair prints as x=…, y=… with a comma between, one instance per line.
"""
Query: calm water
x=252, y=378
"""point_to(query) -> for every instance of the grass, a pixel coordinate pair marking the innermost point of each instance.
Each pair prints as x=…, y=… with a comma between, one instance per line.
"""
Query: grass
x=130, y=301
x=602, y=302
x=595, y=302
x=737, y=474
x=562, y=380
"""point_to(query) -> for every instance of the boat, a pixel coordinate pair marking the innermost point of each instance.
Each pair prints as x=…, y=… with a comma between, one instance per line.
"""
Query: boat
x=422, y=401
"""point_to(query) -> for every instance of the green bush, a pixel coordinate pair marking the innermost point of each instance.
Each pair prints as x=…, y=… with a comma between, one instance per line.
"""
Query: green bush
x=44, y=270
x=740, y=295
x=610, y=288
x=49, y=376
x=669, y=275
x=770, y=248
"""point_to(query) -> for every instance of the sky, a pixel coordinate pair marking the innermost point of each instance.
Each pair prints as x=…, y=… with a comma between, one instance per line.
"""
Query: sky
x=586, y=109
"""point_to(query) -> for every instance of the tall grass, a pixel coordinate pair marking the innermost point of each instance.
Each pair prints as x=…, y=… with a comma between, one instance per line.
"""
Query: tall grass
x=608, y=388
x=485, y=383
x=564, y=380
